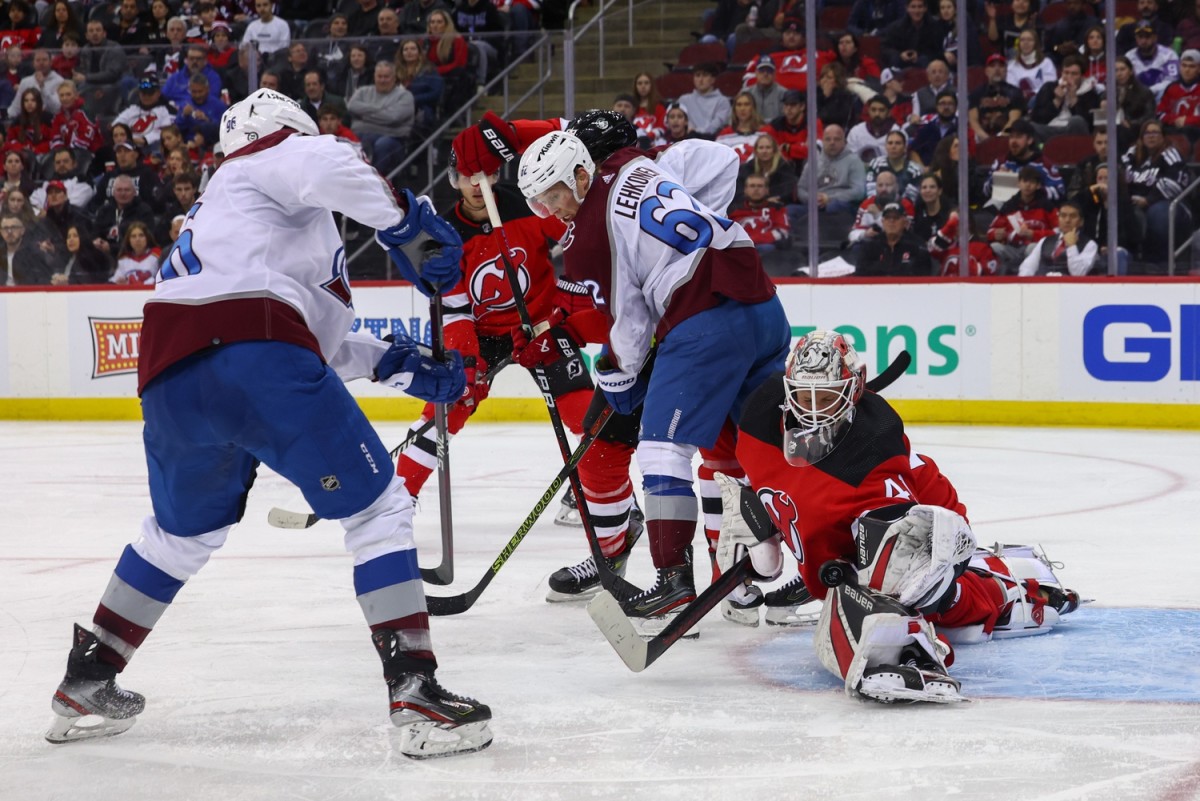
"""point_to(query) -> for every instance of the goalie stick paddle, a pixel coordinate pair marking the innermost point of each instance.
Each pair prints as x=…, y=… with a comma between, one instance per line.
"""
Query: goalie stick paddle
x=457, y=604
x=286, y=518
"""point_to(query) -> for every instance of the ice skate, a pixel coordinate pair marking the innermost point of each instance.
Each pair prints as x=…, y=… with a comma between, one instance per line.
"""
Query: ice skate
x=918, y=679
x=652, y=611
x=791, y=605
x=741, y=606
x=88, y=703
x=582, y=581
x=568, y=511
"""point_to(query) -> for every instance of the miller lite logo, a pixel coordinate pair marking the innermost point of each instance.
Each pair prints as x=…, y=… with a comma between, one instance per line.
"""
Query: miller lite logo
x=489, y=285
x=115, y=345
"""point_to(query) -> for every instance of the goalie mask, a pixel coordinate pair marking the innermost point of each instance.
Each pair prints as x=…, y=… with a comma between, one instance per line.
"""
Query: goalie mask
x=264, y=112
x=550, y=160
x=823, y=382
x=603, y=133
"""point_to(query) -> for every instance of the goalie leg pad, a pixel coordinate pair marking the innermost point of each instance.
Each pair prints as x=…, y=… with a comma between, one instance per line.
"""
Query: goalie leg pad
x=1036, y=598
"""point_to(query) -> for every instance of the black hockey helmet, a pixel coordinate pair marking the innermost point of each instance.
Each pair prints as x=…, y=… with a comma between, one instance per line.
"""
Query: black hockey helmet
x=603, y=132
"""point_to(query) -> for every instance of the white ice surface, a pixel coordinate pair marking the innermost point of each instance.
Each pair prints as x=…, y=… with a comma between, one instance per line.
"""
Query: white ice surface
x=262, y=683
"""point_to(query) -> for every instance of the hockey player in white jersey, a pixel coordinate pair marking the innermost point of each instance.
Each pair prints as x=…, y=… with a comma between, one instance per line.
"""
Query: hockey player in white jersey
x=245, y=347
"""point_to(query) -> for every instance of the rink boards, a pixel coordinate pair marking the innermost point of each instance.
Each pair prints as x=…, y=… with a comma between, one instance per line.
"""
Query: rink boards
x=1050, y=351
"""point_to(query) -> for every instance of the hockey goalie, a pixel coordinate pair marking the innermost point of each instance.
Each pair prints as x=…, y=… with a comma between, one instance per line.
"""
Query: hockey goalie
x=903, y=577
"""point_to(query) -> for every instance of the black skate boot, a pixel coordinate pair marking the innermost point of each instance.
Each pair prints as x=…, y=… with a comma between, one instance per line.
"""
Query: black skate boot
x=917, y=679
x=434, y=722
x=568, y=511
x=653, y=609
x=791, y=605
x=741, y=606
x=89, y=690
x=582, y=581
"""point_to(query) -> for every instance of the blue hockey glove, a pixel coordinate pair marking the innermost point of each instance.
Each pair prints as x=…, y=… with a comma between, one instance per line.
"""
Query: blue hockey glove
x=411, y=368
x=624, y=391
x=424, y=247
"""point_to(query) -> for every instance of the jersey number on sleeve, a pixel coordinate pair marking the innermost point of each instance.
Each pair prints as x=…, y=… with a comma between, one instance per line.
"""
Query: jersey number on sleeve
x=683, y=227
x=181, y=259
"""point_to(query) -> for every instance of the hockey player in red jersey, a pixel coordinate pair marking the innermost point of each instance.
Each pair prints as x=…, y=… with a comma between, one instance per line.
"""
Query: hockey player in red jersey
x=833, y=467
x=481, y=321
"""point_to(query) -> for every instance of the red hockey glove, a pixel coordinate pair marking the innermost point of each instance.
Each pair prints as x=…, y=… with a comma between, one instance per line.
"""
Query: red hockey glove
x=485, y=147
x=477, y=388
x=557, y=341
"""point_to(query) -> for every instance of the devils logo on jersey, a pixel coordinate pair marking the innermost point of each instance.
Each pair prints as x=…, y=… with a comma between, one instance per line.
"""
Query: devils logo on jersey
x=489, y=285
x=784, y=516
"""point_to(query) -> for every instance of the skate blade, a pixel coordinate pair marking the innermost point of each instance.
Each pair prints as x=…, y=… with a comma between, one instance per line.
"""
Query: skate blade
x=430, y=740
x=568, y=517
x=555, y=597
x=742, y=617
x=792, y=615
x=650, y=627
x=87, y=727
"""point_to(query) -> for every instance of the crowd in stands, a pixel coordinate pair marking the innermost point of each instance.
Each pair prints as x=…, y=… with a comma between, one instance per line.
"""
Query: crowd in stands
x=887, y=150
x=111, y=108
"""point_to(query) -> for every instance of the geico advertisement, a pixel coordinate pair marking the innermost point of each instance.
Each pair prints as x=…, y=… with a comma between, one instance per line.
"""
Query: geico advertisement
x=1131, y=342
x=946, y=328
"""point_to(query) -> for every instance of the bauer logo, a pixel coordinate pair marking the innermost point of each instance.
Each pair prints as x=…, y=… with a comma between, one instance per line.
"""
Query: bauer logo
x=115, y=345
x=1133, y=342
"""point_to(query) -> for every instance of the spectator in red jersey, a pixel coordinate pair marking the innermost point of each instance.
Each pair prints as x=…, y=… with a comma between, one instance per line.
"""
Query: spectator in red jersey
x=765, y=221
x=1028, y=217
x=71, y=125
x=66, y=63
x=1180, y=104
x=22, y=27
x=943, y=247
x=902, y=104
x=862, y=72
x=31, y=129
x=650, y=112
x=744, y=128
x=790, y=129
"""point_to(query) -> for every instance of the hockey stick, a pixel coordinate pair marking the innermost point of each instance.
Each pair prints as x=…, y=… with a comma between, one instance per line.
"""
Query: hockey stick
x=639, y=654
x=608, y=579
x=457, y=604
x=286, y=518
x=443, y=574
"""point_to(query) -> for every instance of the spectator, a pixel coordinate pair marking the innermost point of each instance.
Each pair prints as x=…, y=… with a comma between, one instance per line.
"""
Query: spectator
x=130, y=26
x=1023, y=151
x=767, y=94
x=474, y=17
x=31, y=129
x=945, y=166
x=872, y=17
x=332, y=54
x=148, y=116
x=996, y=105
x=1067, y=35
x=58, y=215
x=175, y=163
x=870, y=212
x=1024, y=220
x=1066, y=251
x=1084, y=174
x=172, y=57
x=315, y=94
x=66, y=172
x=1187, y=27
x=678, y=126
x=363, y=20
x=16, y=202
x=120, y=211
x=16, y=173
x=71, y=125
x=862, y=72
x=85, y=263
x=868, y=139
x=1157, y=174
x=837, y=105
x=44, y=79
x=22, y=29
x=22, y=262
x=1135, y=103
x=1093, y=202
x=914, y=39
x=1147, y=15
x=137, y=260
x=291, y=72
x=177, y=91
x=744, y=128
x=223, y=57
x=521, y=20
x=945, y=254
x=948, y=17
x=387, y=45
x=841, y=178
x=725, y=19
x=1004, y=31
x=768, y=163
x=199, y=119
x=66, y=63
x=789, y=57
x=329, y=121
x=60, y=21
x=1067, y=105
x=129, y=164
x=933, y=131
x=206, y=18
x=790, y=130
x=1180, y=103
x=268, y=34
x=185, y=188
x=359, y=70
x=448, y=54
x=650, y=112
x=765, y=220
x=896, y=252
x=893, y=92
x=102, y=65
x=416, y=74
x=1092, y=51
x=414, y=17
x=1029, y=69
x=1155, y=65
x=931, y=213
x=895, y=158
x=937, y=80
x=708, y=110
x=382, y=117
x=156, y=26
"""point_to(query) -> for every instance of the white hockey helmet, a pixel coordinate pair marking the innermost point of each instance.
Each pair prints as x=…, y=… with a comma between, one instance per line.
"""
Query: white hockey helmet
x=264, y=112
x=551, y=159
x=823, y=382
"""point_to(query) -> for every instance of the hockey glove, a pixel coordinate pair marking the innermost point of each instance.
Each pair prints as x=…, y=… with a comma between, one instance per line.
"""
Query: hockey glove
x=624, y=391
x=424, y=247
x=477, y=386
x=411, y=368
x=558, y=341
x=485, y=147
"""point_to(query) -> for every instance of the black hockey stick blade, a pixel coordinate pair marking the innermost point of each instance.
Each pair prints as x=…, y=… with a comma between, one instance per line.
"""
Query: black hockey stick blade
x=890, y=373
x=639, y=654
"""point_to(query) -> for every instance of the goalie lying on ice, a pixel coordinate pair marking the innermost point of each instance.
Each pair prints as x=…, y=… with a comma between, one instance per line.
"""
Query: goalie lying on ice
x=839, y=481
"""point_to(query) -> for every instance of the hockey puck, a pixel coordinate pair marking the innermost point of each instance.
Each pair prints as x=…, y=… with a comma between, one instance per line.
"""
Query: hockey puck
x=835, y=572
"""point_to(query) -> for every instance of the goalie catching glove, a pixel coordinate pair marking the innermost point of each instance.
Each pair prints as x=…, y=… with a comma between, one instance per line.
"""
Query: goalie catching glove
x=411, y=368
x=424, y=247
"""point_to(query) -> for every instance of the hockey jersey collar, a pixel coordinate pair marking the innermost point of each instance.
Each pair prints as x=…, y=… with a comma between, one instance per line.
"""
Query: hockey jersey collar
x=270, y=140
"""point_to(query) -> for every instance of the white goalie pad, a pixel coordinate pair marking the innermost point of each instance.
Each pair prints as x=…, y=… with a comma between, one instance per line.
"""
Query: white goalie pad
x=918, y=558
x=1014, y=567
x=733, y=528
